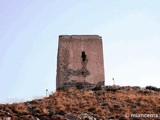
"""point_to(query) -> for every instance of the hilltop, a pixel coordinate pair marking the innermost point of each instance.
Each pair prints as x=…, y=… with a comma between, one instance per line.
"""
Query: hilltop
x=92, y=102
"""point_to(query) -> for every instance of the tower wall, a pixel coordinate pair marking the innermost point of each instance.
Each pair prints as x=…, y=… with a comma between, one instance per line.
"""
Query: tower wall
x=80, y=58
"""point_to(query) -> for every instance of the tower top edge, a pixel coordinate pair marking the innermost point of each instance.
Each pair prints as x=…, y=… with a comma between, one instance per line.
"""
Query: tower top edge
x=81, y=36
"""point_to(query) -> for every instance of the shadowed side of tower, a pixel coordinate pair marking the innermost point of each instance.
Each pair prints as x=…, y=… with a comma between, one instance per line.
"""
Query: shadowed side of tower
x=80, y=58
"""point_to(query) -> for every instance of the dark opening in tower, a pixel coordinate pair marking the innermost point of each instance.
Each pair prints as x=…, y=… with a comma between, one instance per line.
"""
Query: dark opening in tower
x=83, y=56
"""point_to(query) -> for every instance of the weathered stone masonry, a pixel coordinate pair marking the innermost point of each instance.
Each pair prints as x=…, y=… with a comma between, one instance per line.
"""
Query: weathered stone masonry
x=80, y=58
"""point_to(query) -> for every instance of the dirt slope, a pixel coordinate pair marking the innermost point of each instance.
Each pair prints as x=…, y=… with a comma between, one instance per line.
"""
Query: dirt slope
x=89, y=103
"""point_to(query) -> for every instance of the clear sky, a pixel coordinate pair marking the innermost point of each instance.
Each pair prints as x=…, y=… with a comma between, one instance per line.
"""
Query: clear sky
x=29, y=31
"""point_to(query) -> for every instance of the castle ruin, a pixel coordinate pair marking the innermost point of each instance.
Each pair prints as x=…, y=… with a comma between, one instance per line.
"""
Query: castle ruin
x=80, y=59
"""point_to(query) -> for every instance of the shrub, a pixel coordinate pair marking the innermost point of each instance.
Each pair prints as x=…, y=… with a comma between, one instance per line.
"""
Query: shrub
x=62, y=88
x=91, y=109
x=109, y=88
x=21, y=108
x=97, y=87
x=60, y=112
x=152, y=88
x=79, y=85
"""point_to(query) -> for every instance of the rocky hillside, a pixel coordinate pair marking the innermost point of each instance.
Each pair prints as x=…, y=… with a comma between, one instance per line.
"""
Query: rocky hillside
x=93, y=102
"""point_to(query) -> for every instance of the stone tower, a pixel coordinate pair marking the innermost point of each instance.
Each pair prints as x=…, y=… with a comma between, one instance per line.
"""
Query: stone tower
x=80, y=58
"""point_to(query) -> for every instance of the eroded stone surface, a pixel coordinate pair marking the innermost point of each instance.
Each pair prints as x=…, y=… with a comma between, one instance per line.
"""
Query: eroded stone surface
x=80, y=58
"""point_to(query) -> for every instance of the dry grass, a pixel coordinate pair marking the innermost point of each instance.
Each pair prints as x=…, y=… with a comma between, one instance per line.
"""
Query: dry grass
x=100, y=104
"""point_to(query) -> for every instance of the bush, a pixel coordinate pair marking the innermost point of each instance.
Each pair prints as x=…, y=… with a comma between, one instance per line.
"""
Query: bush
x=79, y=85
x=91, y=109
x=60, y=112
x=109, y=88
x=97, y=87
x=152, y=88
x=62, y=88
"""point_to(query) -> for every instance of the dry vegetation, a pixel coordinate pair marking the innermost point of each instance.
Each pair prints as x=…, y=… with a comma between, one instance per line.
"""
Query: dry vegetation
x=110, y=102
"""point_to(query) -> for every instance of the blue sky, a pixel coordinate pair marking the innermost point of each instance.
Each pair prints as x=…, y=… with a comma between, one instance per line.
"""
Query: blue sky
x=29, y=31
